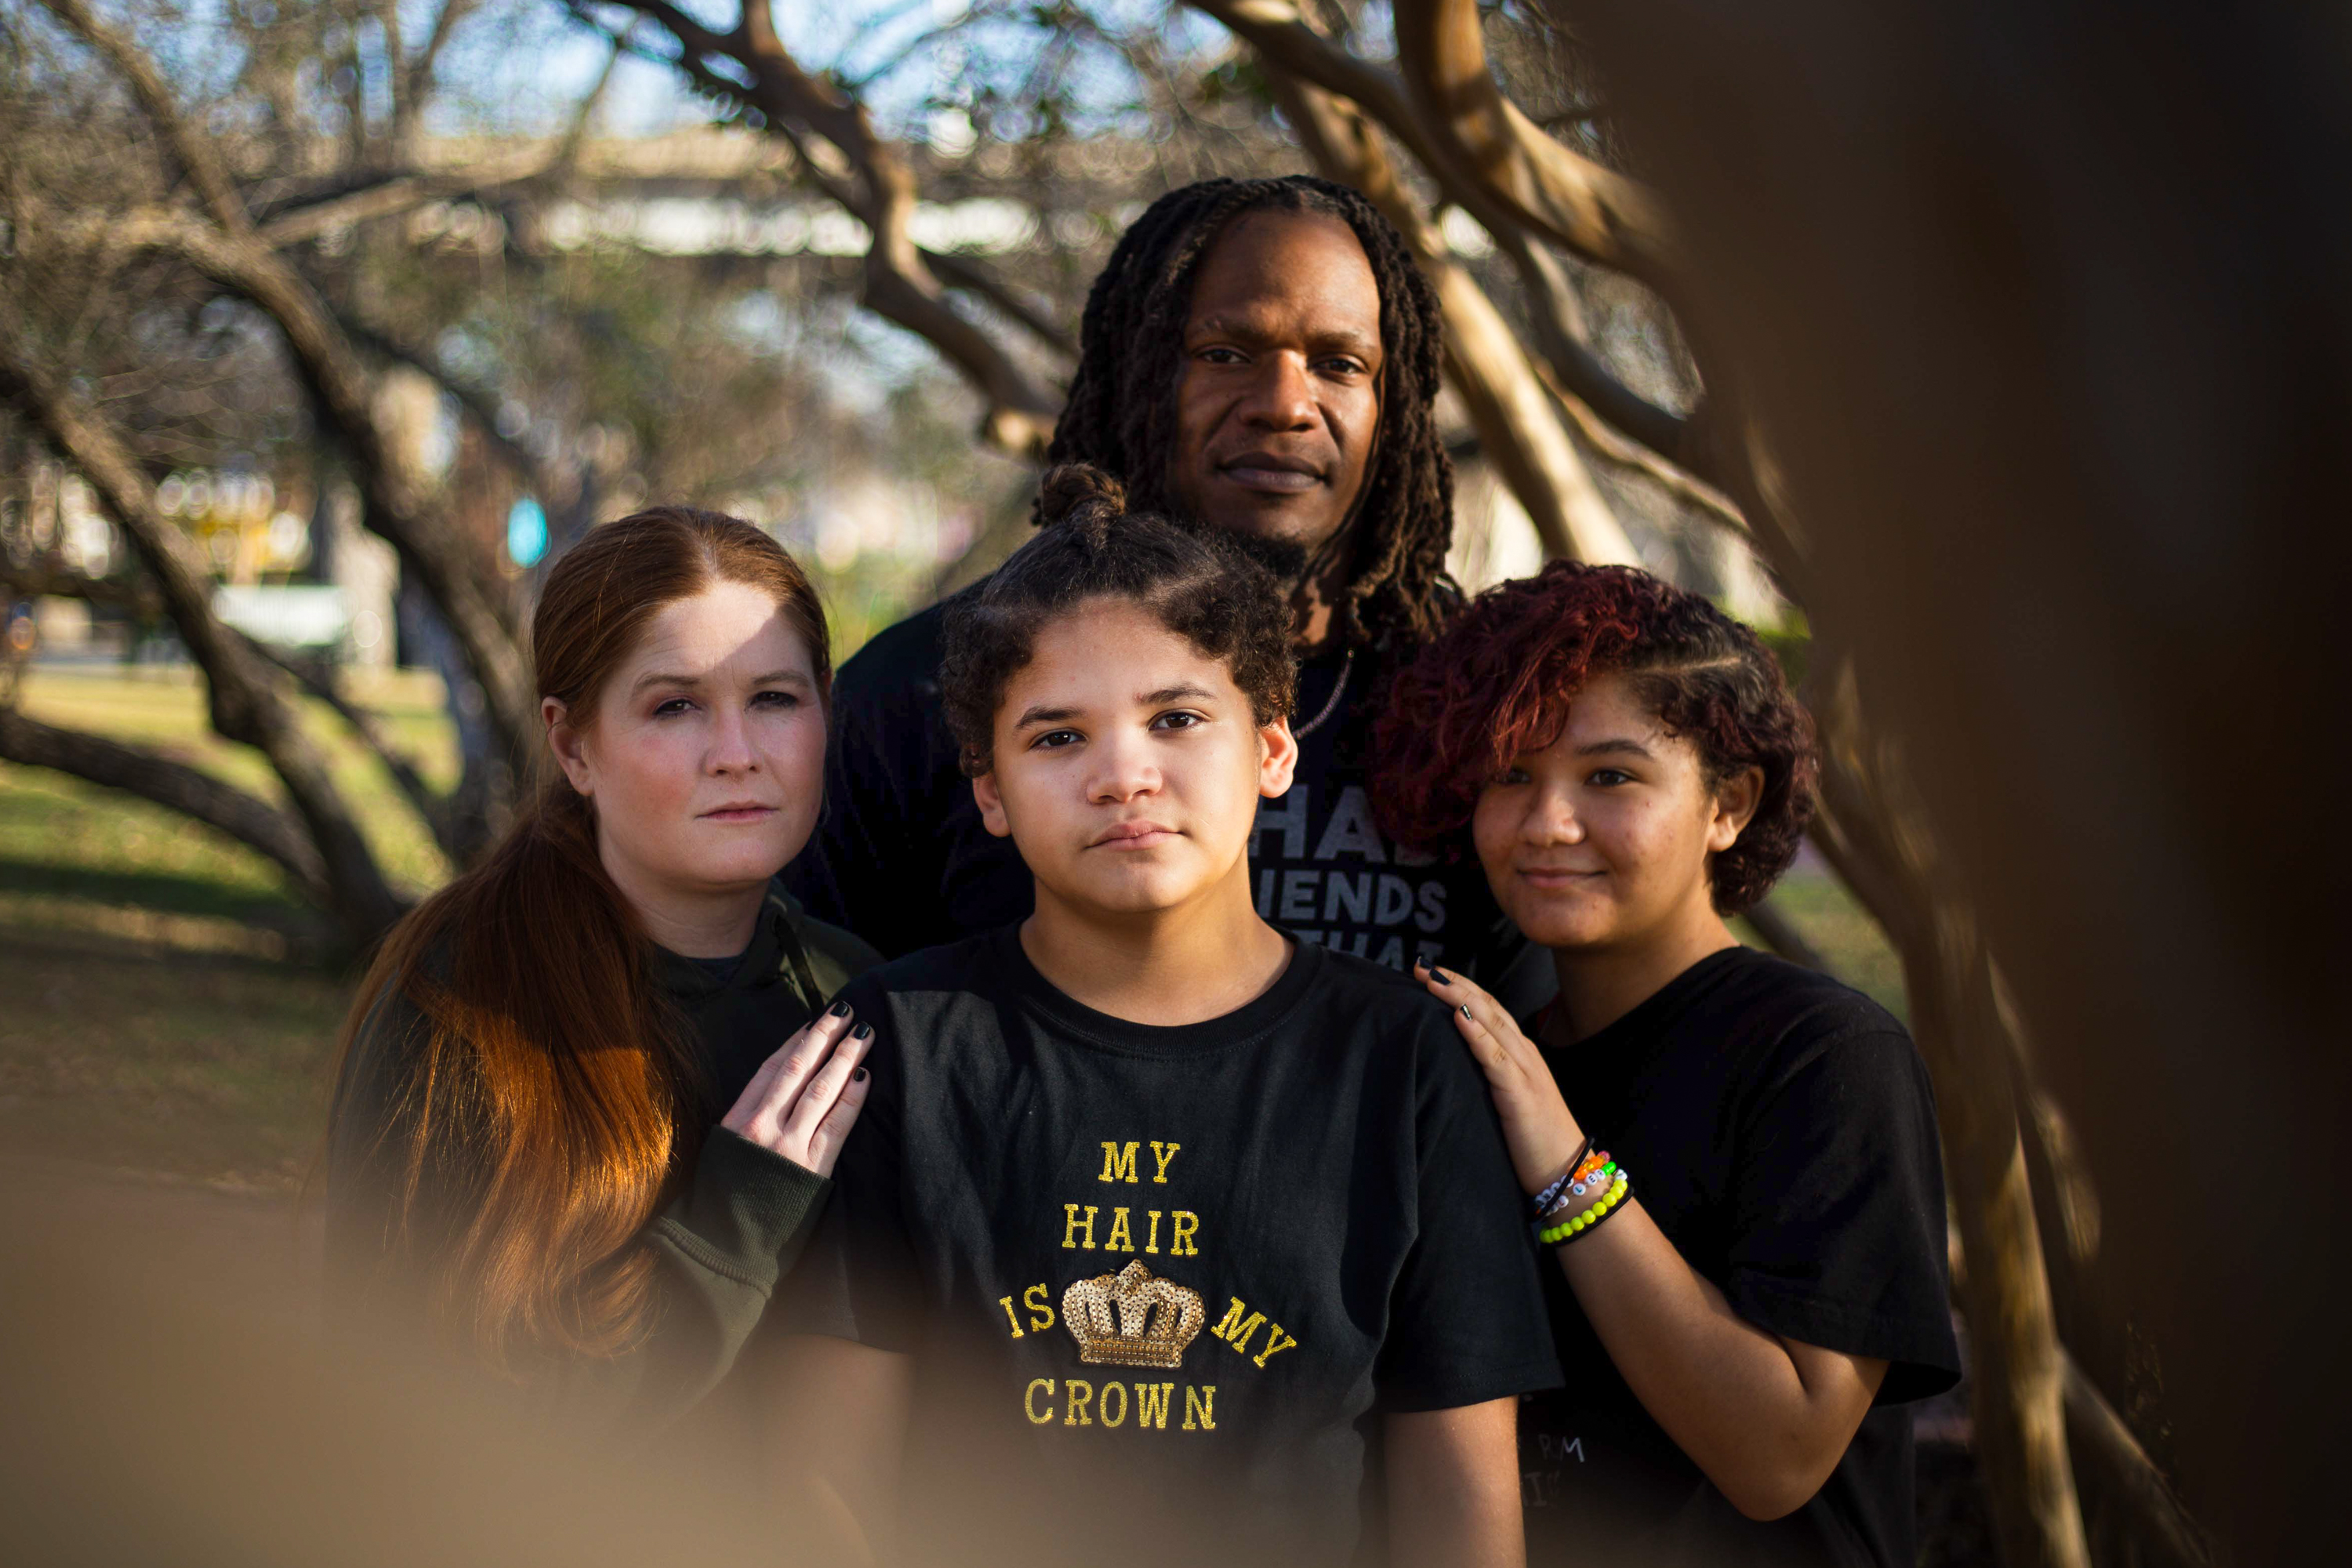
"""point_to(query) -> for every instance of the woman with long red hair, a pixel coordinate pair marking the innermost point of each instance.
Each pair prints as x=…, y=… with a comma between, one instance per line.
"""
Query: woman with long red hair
x=591, y=1092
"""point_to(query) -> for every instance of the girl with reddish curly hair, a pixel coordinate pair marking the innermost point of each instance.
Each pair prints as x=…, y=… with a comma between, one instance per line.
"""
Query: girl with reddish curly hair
x=1745, y=1200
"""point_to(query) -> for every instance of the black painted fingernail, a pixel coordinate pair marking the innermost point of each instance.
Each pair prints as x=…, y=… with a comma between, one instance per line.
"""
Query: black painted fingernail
x=1465, y=1009
x=838, y=1010
x=859, y=1074
x=863, y=1032
x=1443, y=978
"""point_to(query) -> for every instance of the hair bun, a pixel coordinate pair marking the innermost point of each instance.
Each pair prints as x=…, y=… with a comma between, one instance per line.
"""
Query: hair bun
x=1082, y=496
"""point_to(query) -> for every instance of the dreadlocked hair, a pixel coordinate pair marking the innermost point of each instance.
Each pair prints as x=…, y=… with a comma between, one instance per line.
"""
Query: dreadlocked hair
x=1121, y=414
x=1092, y=548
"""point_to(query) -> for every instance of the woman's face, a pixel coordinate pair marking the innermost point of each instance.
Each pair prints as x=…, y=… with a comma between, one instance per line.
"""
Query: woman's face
x=706, y=754
x=1601, y=840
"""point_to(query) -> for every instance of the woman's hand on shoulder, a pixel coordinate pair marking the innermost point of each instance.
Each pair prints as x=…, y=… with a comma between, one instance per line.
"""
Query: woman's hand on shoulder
x=1542, y=1134
x=805, y=1098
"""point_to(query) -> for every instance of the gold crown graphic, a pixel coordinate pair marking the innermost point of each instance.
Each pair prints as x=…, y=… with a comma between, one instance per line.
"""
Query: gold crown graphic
x=1132, y=1318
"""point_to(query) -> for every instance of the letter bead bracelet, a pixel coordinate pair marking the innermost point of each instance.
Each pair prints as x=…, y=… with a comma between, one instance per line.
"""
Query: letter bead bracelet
x=1544, y=1201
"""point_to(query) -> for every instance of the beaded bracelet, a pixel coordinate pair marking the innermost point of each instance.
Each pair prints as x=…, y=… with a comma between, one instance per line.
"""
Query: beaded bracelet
x=1592, y=1178
x=1568, y=1230
x=1544, y=1200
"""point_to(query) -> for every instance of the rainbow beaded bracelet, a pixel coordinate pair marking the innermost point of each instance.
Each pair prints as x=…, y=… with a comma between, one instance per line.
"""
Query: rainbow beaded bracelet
x=1569, y=1229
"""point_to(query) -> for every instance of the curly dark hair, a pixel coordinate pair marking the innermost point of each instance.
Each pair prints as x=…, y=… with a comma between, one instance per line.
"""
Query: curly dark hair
x=1499, y=683
x=1201, y=589
x=1121, y=414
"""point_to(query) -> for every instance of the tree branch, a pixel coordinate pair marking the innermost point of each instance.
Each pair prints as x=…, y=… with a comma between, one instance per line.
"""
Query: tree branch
x=871, y=178
x=2103, y=1437
x=406, y=192
x=1568, y=199
x=322, y=681
x=1284, y=39
x=1785, y=937
x=974, y=277
x=417, y=76
x=214, y=187
x=245, y=702
x=448, y=565
x=176, y=786
x=40, y=581
x=1517, y=427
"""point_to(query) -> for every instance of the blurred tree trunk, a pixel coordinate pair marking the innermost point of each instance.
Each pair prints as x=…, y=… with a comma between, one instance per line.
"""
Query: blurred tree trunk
x=247, y=699
x=2056, y=375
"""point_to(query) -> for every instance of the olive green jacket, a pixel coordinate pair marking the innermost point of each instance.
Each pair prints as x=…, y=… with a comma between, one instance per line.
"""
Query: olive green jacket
x=734, y=1224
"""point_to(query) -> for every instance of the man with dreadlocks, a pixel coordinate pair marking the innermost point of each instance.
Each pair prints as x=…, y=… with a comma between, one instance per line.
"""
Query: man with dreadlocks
x=1259, y=357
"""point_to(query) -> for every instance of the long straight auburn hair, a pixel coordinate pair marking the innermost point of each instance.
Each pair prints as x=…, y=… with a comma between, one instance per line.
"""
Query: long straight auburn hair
x=549, y=1093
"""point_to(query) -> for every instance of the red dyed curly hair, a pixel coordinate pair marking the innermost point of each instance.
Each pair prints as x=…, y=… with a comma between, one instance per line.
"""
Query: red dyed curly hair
x=1497, y=683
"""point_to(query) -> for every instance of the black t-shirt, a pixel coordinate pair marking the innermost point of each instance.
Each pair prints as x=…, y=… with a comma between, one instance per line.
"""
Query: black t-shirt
x=1158, y=1280
x=1779, y=1128
x=901, y=858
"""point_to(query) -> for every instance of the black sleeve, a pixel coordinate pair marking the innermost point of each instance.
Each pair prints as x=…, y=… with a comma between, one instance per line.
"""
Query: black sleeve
x=1838, y=1210
x=1466, y=1319
x=857, y=1280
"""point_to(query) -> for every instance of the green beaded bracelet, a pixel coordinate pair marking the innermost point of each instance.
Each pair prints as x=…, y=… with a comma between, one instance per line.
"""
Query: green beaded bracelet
x=1569, y=1229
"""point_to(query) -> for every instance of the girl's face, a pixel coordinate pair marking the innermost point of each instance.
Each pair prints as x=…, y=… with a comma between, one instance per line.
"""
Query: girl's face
x=706, y=754
x=1127, y=766
x=1601, y=840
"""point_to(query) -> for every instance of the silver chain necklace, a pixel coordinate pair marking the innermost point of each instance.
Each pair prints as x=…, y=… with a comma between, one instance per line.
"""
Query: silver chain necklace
x=1346, y=668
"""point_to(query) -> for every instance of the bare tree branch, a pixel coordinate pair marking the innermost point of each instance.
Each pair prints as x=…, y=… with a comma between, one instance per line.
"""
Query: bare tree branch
x=1517, y=427
x=1784, y=936
x=975, y=277
x=174, y=785
x=399, y=506
x=1877, y=839
x=1284, y=37
x=322, y=679
x=214, y=187
x=1568, y=199
x=450, y=566
x=38, y=580
x=868, y=175
x=245, y=699
x=2102, y=1435
x=406, y=192
x=416, y=72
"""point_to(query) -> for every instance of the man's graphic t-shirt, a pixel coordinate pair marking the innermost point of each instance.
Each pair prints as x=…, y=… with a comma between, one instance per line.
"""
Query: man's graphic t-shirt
x=1781, y=1132
x=1161, y=1283
x=901, y=858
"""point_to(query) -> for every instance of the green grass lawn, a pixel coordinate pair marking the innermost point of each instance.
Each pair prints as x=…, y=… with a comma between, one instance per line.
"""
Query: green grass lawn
x=155, y=1012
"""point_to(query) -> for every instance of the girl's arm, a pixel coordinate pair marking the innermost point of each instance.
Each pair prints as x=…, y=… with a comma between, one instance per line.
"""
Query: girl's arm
x=1766, y=1418
x=1454, y=1487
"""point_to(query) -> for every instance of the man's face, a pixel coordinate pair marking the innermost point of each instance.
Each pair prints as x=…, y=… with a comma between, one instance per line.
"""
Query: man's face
x=1127, y=766
x=1278, y=401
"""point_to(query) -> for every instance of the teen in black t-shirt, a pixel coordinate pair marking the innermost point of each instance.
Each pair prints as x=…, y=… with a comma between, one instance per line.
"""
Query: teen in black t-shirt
x=1158, y=1216
x=1259, y=357
x=1751, y=1270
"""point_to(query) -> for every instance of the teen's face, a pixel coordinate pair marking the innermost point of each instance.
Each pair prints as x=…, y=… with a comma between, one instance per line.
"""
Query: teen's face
x=1278, y=401
x=1601, y=840
x=706, y=755
x=1127, y=764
